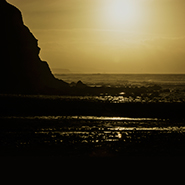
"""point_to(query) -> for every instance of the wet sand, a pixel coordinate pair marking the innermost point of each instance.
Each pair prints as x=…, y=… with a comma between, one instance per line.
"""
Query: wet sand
x=92, y=137
x=29, y=105
x=84, y=127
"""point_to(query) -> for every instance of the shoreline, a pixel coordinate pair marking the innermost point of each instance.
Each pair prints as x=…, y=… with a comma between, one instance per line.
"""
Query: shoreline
x=41, y=125
x=91, y=138
x=62, y=106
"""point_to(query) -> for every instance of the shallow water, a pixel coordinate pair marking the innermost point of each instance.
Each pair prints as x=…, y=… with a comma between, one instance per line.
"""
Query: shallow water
x=122, y=79
x=108, y=130
x=172, y=86
x=72, y=129
x=91, y=136
x=86, y=135
x=103, y=118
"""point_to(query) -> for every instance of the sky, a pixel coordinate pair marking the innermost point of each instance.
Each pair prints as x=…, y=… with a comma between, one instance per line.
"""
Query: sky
x=108, y=36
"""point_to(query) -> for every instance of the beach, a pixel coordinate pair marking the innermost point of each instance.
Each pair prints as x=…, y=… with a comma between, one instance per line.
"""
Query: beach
x=42, y=125
x=91, y=137
x=143, y=117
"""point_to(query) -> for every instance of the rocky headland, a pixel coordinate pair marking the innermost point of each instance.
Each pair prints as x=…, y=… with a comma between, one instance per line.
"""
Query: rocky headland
x=22, y=70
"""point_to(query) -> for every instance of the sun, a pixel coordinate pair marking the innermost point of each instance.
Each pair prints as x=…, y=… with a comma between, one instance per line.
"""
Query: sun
x=123, y=12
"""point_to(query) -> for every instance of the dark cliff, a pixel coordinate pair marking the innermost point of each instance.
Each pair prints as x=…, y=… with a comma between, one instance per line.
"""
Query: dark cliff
x=21, y=69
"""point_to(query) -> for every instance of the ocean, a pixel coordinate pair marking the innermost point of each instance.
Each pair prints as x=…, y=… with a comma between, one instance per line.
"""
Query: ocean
x=124, y=79
x=148, y=122
x=172, y=86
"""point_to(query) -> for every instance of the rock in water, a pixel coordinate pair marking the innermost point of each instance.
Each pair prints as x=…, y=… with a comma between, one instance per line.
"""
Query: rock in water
x=22, y=71
x=80, y=84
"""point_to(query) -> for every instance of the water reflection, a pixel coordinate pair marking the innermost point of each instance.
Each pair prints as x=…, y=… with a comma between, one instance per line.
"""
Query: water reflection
x=98, y=118
x=78, y=130
x=107, y=132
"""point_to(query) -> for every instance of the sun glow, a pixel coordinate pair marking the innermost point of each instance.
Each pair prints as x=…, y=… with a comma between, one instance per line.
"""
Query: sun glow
x=123, y=12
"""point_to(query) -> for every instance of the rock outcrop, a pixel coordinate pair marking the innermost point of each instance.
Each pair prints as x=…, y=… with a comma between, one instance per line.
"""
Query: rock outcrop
x=21, y=69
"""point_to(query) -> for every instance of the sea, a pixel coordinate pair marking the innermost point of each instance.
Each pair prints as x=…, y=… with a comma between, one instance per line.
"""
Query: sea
x=172, y=85
x=100, y=136
x=123, y=79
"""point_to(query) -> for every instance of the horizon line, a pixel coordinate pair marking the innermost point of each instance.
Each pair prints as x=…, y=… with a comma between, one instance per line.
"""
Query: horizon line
x=153, y=73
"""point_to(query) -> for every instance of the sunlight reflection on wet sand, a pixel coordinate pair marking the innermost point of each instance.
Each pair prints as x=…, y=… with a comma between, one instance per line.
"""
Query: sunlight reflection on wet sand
x=103, y=118
x=112, y=129
x=83, y=135
x=108, y=135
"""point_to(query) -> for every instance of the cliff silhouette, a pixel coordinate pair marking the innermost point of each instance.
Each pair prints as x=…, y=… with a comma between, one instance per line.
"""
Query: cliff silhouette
x=21, y=69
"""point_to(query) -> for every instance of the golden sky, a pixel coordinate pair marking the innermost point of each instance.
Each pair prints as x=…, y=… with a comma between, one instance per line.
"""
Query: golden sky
x=118, y=36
